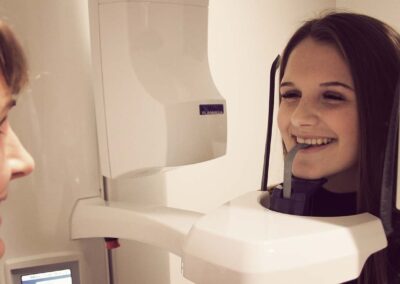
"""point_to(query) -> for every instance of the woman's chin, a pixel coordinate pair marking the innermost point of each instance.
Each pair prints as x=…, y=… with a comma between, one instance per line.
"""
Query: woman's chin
x=307, y=174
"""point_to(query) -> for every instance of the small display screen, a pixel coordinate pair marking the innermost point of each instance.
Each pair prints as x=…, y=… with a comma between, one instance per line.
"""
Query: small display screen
x=51, y=277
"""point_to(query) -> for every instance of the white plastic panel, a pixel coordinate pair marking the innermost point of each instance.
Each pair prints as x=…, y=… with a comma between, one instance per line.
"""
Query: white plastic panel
x=154, y=76
x=159, y=226
x=244, y=243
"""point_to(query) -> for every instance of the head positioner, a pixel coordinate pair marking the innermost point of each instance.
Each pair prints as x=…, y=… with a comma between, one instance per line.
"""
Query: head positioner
x=389, y=166
x=274, y=67
x=287, y=173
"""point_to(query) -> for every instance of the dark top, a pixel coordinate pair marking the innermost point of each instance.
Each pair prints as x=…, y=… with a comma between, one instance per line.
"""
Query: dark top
x=310, y=198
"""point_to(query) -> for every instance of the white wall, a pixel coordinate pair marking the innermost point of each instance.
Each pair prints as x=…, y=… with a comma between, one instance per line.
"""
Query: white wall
x=244, y=38
x=385, y=10
x=55, y=120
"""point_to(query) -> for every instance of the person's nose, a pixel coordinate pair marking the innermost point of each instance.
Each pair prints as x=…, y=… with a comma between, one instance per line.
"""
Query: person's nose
x=305, y=114
x=18, y=158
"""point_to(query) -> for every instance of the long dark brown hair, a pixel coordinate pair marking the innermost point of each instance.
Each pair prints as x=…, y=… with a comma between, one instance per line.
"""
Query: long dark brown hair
x=13, y=64
x=372, y=51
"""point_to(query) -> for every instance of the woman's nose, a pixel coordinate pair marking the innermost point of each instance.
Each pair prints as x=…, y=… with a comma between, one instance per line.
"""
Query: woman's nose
x=19, y=160
x=305, y=114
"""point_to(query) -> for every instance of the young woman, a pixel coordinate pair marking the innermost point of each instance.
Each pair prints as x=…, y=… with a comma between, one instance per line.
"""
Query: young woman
x=337, y=84
x=15, y=161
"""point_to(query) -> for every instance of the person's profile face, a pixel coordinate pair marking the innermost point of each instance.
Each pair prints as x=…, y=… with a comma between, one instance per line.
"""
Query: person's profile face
x=318, y=106
x=15, y=161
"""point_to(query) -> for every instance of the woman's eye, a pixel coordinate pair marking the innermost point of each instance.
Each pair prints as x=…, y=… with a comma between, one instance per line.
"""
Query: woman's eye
x=3, y=125
x=290, y=95
x=3, y=120
x=335, y=97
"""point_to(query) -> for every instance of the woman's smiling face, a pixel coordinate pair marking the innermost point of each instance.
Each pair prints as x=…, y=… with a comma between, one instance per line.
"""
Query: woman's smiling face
x=318, y=106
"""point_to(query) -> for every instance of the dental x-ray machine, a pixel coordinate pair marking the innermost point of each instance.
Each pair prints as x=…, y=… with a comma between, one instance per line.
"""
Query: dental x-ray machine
x=153, y=90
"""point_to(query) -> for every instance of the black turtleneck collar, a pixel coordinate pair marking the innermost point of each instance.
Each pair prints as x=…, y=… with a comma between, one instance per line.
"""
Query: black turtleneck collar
x=309, y=198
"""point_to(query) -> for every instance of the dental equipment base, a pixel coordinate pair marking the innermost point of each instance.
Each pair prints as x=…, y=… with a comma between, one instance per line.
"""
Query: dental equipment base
x=242, y=241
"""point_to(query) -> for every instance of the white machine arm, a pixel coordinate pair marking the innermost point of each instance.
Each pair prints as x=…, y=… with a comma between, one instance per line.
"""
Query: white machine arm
x=241, y=242
x=162, y=227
